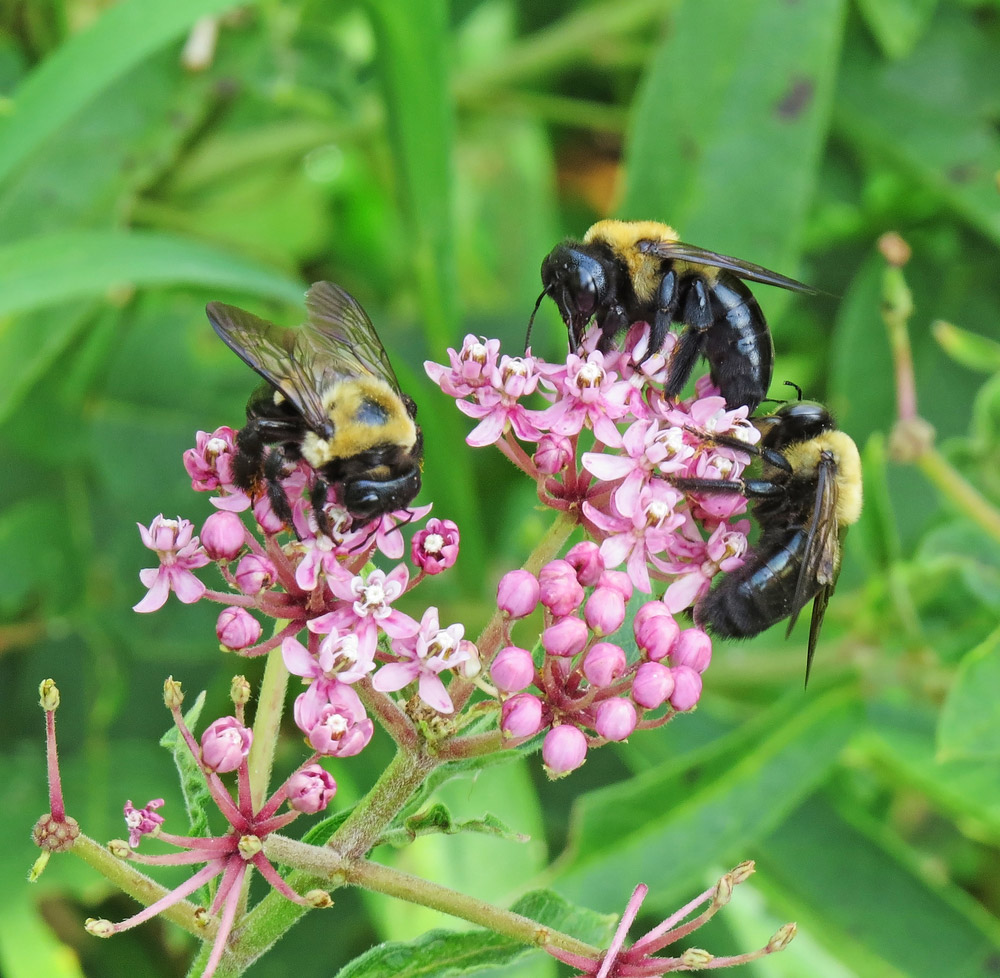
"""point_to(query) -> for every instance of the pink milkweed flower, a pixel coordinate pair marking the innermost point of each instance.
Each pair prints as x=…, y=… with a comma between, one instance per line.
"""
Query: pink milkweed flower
x=585, y=558
x=210, y=462
x=424, y=656
x=225, y=744
x=559, y=590
x=179, y=552
x=564, y=749
x=687, y=688
x=367, y=609
x=237, y=629
x=652, y=684
x=587, y=395
x=518, y=593
x=521, y=716
x=142, y=821
x=604, y=663
x=388, y=539
x=554, y=453
x=471, y=367
x=435, y=548
x=513, y=669
x=223, y=536
x=615, y=718
x=497, y=406
x=335, y=724
x=338, y=659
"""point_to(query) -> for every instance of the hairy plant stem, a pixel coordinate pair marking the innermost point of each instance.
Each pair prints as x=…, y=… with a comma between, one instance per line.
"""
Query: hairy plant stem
x=267, y=723
x=384, y=879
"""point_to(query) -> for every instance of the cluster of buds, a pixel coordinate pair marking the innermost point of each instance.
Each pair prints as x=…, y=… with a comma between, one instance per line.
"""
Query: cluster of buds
x=619, y=489
x=585, y=691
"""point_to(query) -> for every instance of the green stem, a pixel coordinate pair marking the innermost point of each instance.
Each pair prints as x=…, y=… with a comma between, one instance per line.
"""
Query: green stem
x=966, y=498
x=267, y=723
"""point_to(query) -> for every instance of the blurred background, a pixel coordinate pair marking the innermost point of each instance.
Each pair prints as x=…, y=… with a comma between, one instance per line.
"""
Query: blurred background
x=427, y=156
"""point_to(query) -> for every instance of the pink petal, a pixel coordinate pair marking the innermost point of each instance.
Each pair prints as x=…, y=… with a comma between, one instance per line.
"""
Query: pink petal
x=297, y=659
x=433, y=693
x=156, y=597
x=488, y=430
x=607, y=467
x=395, y=676
x=186, y=586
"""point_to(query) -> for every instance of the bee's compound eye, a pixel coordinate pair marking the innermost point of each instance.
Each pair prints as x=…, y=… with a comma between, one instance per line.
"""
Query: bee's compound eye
x=586, y=281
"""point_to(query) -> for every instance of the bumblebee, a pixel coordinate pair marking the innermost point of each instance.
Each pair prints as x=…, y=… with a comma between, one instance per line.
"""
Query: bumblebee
x=329, y=397
x=625, y=272
x=808, y=494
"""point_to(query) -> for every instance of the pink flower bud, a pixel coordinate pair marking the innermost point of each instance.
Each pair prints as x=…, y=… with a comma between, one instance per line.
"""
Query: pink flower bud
x=560, y=591
x=604, y=611
x=310, y=790
x=553, y=454
x=512, y=669
x=435, y=548
x=254, y=574
x=521, y=715
x=693, y=649
x=225, y=744
x=604, y=663
x=585, y=558
x=223, y=536
x=650, y=609
x=568, y=636
x=237, y=629
x=517, y=593
x=267, y=519
x=563, y=750
x=618, y=580
x=615, y=718
x=652, y=685
x=339, y=727
x=202, y=461
x=687, y=688
x=656, y=635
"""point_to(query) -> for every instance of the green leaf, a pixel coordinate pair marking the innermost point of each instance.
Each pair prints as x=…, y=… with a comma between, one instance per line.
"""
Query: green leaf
x=979, y=353
x=437, y=819
x=443, y=953
x=897, y=24
x=85, y=65
x=730, y=122
x=970, y=718
x=673, y=821
x=196, y=795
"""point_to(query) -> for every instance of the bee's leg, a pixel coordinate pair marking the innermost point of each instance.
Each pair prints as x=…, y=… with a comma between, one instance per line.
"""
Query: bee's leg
x=274, y=469
x=612, y=320
x=697, y=318
x=248, y=463
x=769, y=455
x=318, y=497
x=754, y=488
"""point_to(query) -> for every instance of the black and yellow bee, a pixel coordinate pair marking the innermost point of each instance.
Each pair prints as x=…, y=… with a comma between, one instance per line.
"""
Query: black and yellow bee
x=330, y=397
x=808, y=494
x=624, y=272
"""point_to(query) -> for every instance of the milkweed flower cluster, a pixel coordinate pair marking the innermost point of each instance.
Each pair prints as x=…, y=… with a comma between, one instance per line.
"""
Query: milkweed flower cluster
x=605, y=449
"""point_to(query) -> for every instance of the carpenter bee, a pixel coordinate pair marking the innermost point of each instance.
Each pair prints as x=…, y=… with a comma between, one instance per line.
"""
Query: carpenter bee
x=625, y=272
x=808, y=494
x=330, y=397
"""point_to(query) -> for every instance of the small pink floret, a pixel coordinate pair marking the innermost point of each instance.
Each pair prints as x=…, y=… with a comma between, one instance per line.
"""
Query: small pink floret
x=615, y=718
x=653, y=685
x=694, y=649
x=237, y=629
x=512, y=669
x=521, y=715
x=604, y=663
x=311, y=789
x=223, y=536
x=567, y=637
x=563, y=750
x=518, y=593
x=604, y=611
x=225, y=744
x=687, y=688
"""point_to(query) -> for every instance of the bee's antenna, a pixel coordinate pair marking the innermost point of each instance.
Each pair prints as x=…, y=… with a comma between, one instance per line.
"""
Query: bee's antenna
x=527, y=336
x=798, y=389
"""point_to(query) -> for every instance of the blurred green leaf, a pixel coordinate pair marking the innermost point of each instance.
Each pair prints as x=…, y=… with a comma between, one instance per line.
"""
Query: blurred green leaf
x=122, y=37
x=730, y=120
x=197, y=799
x=665, y=823
x=970, y=718
x=976, y=352
x=897, y=24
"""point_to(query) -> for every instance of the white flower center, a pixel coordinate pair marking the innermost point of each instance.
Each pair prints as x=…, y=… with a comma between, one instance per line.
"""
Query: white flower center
x=433, y=543
x=336, y=725
x=590, y=375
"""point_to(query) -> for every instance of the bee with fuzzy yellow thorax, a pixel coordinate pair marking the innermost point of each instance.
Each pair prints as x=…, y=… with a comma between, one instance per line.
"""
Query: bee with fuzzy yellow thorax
x=329, y=397
x=624, y=272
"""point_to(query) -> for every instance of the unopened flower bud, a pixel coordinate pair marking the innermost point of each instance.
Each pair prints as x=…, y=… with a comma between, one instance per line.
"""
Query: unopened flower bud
x=563, y=750
x=656, y=635
x=560, y=591
x=619, y=581
x=239, y=691
x=693, y=649
x=604, y=663
x=696, y=957
x=472, y=665
x=48, y=695
x=653, y=685
x=172, y=695
x=249, y=846
x=615, y=719
x=604, y=610
x=743, y=872
x=512, y=669
x=649, y=610
x=567, y=637
x=517, y=593
x=223, y=536
x=687, y=688
x=267, y=519
x=318, y=899
x=99, y=927
x=237, y=629
x=311, y=789
x=521, y=715
x=254, y=574
x=225, y=745
x=585, y=558
x=783, y=936
x=119, y=848
x=553, y=454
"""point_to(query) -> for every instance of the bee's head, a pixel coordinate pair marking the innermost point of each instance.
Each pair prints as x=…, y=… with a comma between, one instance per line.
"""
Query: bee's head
x=797, y=421
x=577, y=282
x=366, y=498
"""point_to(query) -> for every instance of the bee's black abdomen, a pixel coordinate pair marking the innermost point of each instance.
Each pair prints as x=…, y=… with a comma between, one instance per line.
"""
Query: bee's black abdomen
x=755, y=596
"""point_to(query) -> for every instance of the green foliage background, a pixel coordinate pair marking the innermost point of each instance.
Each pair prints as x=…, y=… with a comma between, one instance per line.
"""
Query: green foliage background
x=427, y=156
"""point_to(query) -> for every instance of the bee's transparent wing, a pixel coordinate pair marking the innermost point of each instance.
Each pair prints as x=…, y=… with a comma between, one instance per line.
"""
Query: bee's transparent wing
x=274, y=353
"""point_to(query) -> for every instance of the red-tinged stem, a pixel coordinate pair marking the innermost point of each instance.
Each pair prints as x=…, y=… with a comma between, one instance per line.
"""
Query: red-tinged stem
x=396, y=723
x=57, y=806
